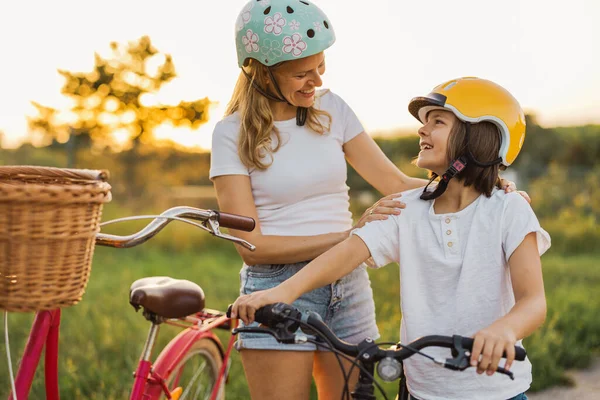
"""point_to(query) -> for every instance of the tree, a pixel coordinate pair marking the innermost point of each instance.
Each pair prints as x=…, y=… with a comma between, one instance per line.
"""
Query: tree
x=110, y=99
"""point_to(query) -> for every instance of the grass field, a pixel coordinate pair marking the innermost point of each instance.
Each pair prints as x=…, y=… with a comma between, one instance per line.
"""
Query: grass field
x=102, y=337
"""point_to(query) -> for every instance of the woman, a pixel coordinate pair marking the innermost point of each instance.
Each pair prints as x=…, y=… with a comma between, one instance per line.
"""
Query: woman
x=279, y=156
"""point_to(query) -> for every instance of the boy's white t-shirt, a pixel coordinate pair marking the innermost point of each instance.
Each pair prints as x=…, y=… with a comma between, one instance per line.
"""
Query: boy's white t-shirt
x=303, y=192
x=455, y=279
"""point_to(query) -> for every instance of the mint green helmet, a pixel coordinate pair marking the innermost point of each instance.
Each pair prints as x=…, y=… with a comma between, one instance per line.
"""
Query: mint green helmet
x=272, y=31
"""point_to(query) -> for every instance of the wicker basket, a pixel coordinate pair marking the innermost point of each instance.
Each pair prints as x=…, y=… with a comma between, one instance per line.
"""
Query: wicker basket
x=49, y=218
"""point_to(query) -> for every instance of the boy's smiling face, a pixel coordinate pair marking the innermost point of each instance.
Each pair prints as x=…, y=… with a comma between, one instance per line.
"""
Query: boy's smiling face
x=434, y=141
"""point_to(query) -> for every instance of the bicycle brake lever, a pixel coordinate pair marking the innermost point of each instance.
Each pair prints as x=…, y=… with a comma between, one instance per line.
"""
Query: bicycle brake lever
x=287, y=339
x=214, y=229
x=460, y=361
x=506, y=372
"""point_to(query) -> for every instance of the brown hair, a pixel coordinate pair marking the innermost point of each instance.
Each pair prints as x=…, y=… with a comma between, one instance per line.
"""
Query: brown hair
x=484, y=143
x=255, y=142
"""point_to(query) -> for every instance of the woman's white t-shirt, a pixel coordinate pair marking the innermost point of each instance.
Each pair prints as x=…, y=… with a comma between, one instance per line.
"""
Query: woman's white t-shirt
x=455, y=279
x=303, y=192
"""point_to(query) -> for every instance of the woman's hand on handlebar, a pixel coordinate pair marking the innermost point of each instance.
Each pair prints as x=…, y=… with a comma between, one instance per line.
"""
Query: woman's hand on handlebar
x=491, y=343
x=245, y=306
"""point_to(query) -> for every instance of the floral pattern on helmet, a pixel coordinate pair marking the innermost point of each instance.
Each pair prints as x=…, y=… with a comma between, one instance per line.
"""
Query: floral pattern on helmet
x=250, y=41
x=271, y=49
x=274, y=24
x=244, y=17
x=294, y=28
x=294, y=45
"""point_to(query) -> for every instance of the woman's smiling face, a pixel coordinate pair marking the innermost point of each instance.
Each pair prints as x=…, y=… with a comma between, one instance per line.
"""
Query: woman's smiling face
x=434, y=141
x=298, y=79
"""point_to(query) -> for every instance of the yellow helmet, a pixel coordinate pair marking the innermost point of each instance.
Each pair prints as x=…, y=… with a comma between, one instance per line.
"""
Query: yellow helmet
x=475, y=100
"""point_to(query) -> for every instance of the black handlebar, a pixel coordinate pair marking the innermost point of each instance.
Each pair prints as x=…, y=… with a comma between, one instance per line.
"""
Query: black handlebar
x=274, y=315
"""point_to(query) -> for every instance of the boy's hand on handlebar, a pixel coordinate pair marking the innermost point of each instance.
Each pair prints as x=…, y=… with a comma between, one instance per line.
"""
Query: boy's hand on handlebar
x=246, y=306
x=490, y=343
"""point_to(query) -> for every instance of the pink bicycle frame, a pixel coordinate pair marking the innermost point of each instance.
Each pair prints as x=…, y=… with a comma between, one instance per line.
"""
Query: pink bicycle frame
x=178, y=348
x=148, y=382
x=45, y=330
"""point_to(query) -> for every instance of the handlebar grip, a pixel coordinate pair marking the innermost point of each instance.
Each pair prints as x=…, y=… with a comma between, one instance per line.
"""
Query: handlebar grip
x=271, y=314
x=520, y=352
x=228, y=313
x=234, y=221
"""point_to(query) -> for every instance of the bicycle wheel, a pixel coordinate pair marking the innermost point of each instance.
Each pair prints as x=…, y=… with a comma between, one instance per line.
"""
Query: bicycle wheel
x=197, y=372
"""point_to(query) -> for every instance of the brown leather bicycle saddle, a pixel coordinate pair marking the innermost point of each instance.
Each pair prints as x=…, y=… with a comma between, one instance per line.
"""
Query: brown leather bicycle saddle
x=167, y=297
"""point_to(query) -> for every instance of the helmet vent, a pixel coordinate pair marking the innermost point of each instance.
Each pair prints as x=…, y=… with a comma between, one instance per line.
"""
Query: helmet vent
x=326, y=24
x=449, y=86
x=290, y=10
x=303, y=2
x=310, y=33
x=267, y=10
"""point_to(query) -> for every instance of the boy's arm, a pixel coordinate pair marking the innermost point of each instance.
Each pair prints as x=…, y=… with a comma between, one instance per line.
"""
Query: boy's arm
x=335, y=263
x=527, y=315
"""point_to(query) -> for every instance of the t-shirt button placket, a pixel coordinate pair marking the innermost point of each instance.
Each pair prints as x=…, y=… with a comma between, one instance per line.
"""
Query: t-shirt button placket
x=450, y=238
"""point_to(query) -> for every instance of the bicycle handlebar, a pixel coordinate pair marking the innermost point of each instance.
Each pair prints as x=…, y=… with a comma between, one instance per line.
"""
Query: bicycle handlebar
x=210, y=219
x=274, y=315
x=235, y=221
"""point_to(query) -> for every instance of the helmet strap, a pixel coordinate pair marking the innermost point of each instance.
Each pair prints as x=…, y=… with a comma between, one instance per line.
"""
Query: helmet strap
x=457, y=165
x=470, y=155
x=261, y=90
x=301, y=112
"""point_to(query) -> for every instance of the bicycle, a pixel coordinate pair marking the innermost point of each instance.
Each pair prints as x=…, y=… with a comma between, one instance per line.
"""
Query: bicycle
x=194, y=364
x=282, y=321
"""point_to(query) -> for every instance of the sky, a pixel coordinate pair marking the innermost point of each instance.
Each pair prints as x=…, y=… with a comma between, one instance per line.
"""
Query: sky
x=545, y=52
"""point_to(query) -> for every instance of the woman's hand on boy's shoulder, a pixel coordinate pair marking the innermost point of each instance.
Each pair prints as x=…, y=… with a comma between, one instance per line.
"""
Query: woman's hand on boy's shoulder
x=510, y=186
x=381, y=210
x=489, y=345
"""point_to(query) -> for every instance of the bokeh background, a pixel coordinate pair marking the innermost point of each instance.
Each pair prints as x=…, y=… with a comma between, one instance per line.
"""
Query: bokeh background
x=137, y=87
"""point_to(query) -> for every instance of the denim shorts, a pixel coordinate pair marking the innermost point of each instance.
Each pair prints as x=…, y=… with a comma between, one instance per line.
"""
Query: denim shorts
x=346, y=306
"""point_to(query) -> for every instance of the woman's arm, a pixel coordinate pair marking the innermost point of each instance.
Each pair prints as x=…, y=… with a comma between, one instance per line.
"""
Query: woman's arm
x=234, y=195
x=325, y=269
x=525, y=317
x=375, y=167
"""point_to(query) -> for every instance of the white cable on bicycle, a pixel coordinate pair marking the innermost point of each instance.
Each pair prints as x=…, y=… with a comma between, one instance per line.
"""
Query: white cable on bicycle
x=10, y=370
x=187, y=221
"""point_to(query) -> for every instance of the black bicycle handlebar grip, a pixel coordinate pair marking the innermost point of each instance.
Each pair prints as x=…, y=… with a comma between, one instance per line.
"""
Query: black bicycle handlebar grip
x=520, y=352
x=229, y=308
x=270, y=314
x=235, y=221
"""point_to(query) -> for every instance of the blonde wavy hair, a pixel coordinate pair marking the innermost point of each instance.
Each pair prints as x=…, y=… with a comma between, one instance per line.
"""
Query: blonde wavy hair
x=255, y=142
